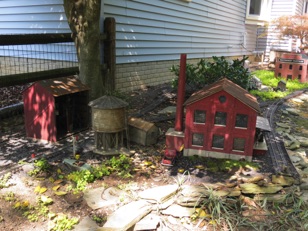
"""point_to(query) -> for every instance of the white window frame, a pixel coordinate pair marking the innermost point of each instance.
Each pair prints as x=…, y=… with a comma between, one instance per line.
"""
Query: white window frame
x=264, y=13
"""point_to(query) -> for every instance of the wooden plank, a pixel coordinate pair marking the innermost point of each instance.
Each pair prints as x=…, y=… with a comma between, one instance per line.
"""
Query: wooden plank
x=24, y=78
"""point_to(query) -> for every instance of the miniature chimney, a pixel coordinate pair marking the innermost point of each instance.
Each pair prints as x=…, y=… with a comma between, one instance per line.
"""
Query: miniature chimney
x=181, y=95
x=175, y=136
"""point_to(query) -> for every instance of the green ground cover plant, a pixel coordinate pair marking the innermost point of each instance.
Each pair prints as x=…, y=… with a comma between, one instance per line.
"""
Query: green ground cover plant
x=268, y=78
x=120, y=165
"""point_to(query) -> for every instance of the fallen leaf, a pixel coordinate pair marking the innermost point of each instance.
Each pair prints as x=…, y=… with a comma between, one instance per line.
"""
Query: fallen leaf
x=55, y=188
x=25, y=204
x=17, y=205
x=46, y=200
x=40, y=190
x=59, y=181
x=248, y=201
x=60, y=193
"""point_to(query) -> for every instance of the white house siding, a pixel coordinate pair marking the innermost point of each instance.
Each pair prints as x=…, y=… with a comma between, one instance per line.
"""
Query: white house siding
x=273, y=42
x=35, y=17
x=299, y=6
x=150, y=35
x=162, y=30
x=32, y=17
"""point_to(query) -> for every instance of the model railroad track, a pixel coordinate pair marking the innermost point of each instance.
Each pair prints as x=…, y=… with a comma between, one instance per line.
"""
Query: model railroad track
x=50, y=156
x=281, y=161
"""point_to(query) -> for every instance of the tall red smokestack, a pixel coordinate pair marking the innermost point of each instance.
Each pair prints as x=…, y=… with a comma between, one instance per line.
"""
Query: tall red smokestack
x=181, y=95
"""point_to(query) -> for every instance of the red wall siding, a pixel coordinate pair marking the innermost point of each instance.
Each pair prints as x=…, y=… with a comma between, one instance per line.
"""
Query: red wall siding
x=39, y=113
x=232, y=106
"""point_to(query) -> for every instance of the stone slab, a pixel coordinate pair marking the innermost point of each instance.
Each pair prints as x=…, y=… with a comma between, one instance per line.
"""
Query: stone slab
x=159, y=194
x=72, y=163
x=96, y=199
x=86, y=224
x=149, y=222
x=127, y=216
x=168, y=110
x=178, y=211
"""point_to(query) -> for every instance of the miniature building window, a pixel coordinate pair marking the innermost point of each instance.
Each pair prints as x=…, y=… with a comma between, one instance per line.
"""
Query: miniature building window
x=197, y=139
x=289, y=76
x=300, y=68
x=299, y=76
x=199, y=116
x=241, y=121
x=222, y=98
x=290, y=66
x=220, y=118
x=239, y=144
x=218, y=141
x=279, y=74
x=280, y=65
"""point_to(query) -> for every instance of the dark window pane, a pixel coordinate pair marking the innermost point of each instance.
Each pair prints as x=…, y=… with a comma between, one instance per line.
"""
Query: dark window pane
x=255, y=7
x=199, y=116
x=218, y=141
x=241, y=121
x=222, y=99
x=197, y=139
x=239, y=144
x=220, y=118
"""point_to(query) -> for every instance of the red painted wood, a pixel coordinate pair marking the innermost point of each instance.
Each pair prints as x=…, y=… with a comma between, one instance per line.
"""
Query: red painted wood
x=181, y=95
x=39, y=113
x=232, y=106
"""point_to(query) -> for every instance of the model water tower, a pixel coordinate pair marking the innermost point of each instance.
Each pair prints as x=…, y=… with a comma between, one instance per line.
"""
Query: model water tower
x=109, y=122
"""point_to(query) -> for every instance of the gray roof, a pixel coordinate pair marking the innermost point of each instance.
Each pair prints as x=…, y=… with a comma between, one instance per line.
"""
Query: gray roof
x=108, y=102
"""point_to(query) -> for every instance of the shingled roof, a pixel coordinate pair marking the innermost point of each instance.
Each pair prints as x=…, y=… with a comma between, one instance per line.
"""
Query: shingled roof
x=63, y=85
x=228, y=86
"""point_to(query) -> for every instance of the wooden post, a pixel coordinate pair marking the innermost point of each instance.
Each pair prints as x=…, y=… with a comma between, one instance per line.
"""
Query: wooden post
x=109, y=55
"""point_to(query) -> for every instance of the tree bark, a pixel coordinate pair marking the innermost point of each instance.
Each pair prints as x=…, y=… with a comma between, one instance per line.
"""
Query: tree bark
x=83, y=17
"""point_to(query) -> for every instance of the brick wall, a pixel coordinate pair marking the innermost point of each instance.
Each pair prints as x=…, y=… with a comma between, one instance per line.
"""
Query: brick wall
x=133, y=76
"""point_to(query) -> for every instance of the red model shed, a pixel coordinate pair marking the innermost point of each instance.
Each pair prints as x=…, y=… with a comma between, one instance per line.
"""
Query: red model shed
x=55, y=108
x=221, y=122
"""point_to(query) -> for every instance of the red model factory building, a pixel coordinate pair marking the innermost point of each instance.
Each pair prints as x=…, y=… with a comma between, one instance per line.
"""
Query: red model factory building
x=292, y=66
x=221, y=122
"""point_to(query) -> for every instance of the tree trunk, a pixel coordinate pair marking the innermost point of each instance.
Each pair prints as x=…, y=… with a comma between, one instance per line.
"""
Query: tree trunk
x=83, y=17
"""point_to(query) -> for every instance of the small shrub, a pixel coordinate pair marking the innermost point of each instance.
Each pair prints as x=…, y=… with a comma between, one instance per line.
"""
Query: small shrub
x=40, y=165
x=206, y=72
x=63, y=222
x=121, y=165
x=4, y=180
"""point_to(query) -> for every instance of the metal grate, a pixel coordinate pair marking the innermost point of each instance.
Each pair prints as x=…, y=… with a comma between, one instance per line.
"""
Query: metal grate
x=16, y=59
x=28, y=58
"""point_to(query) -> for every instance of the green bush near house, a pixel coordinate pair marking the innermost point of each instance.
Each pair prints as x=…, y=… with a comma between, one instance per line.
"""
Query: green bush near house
x=207, y=72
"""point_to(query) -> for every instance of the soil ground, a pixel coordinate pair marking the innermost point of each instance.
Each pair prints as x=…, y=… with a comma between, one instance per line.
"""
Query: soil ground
x=16, y=148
